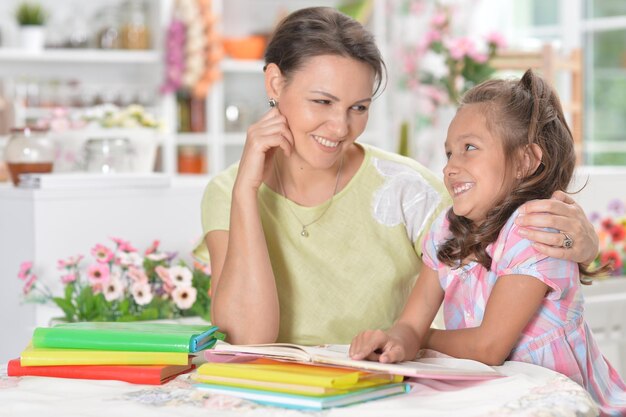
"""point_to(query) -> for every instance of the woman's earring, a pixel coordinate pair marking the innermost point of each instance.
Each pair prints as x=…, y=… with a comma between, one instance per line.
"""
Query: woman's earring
x=272, y=102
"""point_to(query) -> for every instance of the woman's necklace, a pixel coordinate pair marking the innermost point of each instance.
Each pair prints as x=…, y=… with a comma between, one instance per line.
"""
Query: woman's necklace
x=304, y=232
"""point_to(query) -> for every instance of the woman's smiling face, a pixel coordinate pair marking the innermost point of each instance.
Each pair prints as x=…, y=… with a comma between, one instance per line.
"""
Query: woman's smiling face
x=326, y=103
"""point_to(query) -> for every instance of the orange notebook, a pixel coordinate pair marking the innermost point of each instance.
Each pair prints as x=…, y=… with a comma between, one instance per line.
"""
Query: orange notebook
x=136, y=374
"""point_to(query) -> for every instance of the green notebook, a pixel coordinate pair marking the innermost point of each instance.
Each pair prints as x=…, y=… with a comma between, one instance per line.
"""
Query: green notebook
x=128, y=336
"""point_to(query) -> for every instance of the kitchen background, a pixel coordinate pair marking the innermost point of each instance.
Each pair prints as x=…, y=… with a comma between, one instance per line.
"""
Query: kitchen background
x=162, y=91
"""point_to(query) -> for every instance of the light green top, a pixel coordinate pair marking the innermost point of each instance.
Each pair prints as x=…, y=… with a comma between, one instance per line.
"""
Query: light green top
x=357, y=267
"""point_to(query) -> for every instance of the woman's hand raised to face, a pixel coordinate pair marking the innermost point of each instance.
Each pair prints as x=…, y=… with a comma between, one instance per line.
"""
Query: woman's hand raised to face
x=263, y=138
x=563, y=214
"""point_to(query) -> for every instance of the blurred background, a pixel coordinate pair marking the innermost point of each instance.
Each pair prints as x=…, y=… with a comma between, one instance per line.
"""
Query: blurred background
x=160, y=93
x=191, y=72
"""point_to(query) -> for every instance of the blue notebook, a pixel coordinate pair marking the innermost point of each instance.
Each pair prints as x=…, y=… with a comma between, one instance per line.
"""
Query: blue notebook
x=306, y=402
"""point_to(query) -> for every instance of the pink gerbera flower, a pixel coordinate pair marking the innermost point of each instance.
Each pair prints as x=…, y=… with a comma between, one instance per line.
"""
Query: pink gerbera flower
x=137, y=275
x=164, y=274
x=496, y=39
x=102, y=253
x=70, y=262
x=98, y=274
x=119, y=242
x=67, y=278
x=24, y=271
x=153, y=248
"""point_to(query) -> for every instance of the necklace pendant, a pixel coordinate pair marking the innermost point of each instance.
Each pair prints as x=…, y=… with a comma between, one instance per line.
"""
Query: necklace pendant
x=304, y=232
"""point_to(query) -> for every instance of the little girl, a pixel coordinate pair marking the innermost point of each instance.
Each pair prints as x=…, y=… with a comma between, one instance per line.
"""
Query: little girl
x=502, y=299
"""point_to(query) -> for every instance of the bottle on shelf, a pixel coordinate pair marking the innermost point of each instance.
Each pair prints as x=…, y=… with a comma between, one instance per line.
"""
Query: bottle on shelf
x=135, y=33
x=191, y=160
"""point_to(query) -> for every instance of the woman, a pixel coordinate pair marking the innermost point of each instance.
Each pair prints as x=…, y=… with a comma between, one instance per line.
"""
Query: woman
x=310, y=228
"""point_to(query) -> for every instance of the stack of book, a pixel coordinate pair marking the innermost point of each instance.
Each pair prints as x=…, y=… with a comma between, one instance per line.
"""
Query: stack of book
x=136, y=352
x=294, y=385
x=318, y=377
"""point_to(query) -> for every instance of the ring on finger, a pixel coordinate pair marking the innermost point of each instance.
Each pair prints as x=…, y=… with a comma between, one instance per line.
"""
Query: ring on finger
x=568, y=242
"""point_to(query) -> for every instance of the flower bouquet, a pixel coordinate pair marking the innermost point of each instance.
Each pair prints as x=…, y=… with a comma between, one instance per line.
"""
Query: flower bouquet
x=122, y=285
x=442, y=66
x=611, y=229
x=435, y=66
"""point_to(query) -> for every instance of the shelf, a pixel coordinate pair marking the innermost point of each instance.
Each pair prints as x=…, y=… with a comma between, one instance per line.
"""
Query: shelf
x=194, y=139
x=204, y=139
x=91, y=56
x=235, y=139
x=242, y=65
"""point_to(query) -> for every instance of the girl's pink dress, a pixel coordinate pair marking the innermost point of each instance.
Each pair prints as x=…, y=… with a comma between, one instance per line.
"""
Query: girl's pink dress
x=557, y=337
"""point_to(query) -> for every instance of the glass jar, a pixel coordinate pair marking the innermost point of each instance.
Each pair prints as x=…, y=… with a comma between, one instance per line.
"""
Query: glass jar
x=135, y=33
x=108, y=155
x=107, y=32
x=191, y=160
x=29, y=150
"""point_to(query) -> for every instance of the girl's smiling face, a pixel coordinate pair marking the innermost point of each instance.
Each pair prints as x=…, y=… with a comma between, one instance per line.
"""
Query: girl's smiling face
x=476, y=175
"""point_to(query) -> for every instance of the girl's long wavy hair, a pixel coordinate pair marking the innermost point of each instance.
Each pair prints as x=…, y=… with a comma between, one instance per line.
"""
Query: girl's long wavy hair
x=521, y=113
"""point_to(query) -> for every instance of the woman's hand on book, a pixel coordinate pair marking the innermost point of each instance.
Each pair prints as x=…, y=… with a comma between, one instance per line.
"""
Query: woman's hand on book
x=377, y=345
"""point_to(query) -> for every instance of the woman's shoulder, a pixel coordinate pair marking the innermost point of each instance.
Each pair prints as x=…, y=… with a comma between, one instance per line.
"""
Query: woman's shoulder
x=391, y=164
x=382, y=154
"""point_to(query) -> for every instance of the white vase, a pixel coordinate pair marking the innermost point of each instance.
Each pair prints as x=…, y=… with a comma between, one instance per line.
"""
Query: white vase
x=32, y=38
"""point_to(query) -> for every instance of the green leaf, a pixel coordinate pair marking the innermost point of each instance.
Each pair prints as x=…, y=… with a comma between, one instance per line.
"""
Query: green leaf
x=69, y=291
x=124, y=306
x=149, y=314
x=68, y=308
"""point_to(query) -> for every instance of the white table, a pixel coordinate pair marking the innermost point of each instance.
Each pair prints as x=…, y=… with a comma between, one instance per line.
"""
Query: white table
x=528, y=390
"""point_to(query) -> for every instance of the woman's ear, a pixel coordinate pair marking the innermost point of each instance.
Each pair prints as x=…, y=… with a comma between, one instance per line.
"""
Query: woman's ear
x=274, y=81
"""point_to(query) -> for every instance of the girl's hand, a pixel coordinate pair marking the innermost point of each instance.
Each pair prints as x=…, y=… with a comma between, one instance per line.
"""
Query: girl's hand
x=562, y=213
x=376, y=345
x=262, y=140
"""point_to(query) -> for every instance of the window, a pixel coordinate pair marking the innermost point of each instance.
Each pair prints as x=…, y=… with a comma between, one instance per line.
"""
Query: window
x=604, y=42
x=599, y=28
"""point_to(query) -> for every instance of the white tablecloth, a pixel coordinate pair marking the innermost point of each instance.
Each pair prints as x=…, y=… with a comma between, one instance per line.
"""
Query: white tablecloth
x=528, y=390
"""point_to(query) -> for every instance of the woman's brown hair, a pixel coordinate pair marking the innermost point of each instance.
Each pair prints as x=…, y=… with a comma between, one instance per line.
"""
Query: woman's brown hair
x=316, y=31
x=522, y=113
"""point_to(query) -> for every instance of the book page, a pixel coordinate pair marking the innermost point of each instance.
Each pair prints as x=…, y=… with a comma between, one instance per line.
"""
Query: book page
x=434, y=368
x=282, y=351
x=337, y=355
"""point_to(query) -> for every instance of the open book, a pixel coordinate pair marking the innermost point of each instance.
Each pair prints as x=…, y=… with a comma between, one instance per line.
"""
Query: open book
x=337, y=355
